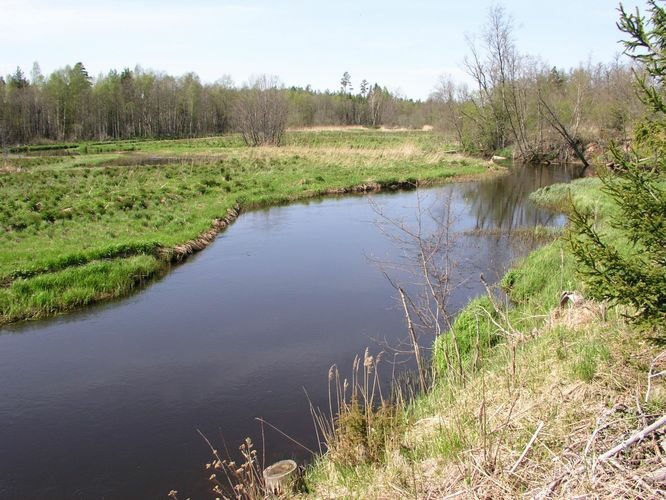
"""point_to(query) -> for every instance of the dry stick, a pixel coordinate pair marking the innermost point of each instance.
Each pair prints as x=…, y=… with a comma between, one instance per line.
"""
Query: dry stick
x=210, y=445
x=263, y=447
x=636, y=478
x=453, y=495
x=610, y=453
x=483, y=417
x=482, y=472
x=216, y=454
x=634, y=438
x=511, y=332
x=650, y=375
x=400, y=491
x=597, y=430
x=412, y=333
x=285, y=435
x=477, y=347
x=527, y=448
x=504, y=428
x=331, y=375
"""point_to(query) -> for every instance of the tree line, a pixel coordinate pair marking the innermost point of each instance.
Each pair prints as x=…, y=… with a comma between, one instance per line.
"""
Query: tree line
x=541, y=112
x=517, y=104
x=69, y=104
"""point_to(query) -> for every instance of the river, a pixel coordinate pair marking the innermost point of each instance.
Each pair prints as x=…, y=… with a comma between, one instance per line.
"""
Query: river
x=106, y=402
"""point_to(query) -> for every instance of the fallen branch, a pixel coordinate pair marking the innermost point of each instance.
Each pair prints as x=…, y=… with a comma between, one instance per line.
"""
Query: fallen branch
x=653, y=493
x=606, y=456
x=634, y=438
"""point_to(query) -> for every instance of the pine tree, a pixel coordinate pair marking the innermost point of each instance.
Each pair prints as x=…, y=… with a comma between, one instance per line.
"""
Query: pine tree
x=635, y=277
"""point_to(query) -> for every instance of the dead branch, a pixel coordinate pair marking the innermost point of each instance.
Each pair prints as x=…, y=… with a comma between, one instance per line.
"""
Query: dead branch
x=653, y=493
x=554, y=121
x=606, y=456
x=638, y=436
x=412, y=334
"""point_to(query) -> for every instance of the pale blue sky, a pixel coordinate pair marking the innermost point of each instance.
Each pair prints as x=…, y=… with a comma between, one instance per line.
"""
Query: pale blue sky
x=403, y=45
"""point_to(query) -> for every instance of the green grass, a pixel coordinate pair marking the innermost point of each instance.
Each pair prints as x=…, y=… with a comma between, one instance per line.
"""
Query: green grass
x=473, y=330
x=112, y=201
x=51, y=293
x=587, y=359
x=542, y=276
x=585, y=193
x=561, y=367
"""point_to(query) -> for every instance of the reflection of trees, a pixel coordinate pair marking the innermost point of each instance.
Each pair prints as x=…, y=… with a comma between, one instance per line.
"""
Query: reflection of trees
x=502, y=203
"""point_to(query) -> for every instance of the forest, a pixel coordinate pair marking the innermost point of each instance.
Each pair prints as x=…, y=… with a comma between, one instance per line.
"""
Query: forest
x=71, y=105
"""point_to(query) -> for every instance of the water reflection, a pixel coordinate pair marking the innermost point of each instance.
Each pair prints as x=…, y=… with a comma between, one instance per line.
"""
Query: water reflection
x=502, y=203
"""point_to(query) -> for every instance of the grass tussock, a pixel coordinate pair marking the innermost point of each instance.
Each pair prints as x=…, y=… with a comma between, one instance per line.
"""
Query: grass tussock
x=66, y=208
x=360, y=422
x=548, y=390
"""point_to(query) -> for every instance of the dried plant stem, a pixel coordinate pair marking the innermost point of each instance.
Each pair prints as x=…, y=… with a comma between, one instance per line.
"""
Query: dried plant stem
x=527, y=448
x=285, y=435
x=651, y=375
x=606, y=456
x=412, y=334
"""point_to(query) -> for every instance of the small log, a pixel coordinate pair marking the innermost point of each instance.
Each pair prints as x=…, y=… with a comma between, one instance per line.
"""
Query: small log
x=281, y=477
x=574, y=298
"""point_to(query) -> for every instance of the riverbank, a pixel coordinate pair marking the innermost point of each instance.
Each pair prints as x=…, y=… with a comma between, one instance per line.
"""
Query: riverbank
x=98, y=220
x=543, y=394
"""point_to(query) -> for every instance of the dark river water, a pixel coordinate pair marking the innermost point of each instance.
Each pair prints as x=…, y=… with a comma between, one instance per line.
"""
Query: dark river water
x=106, y=402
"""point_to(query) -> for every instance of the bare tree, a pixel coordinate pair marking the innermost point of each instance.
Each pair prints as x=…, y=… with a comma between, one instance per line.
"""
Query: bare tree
x=568, y=132
x=450, y=98
x=503, y=79
x=424, y=279
x=261, y=112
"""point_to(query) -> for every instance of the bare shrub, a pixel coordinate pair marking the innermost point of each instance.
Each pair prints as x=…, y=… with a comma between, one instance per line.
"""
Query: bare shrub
x=243, y=481
x=261, y=112
x=425, y=278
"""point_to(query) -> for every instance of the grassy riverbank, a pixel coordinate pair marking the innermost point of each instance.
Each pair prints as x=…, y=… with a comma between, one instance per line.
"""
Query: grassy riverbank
x=541, y=393
x=92, y=221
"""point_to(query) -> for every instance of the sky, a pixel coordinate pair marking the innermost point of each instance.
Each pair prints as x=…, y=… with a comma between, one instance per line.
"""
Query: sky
x=404, y=46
